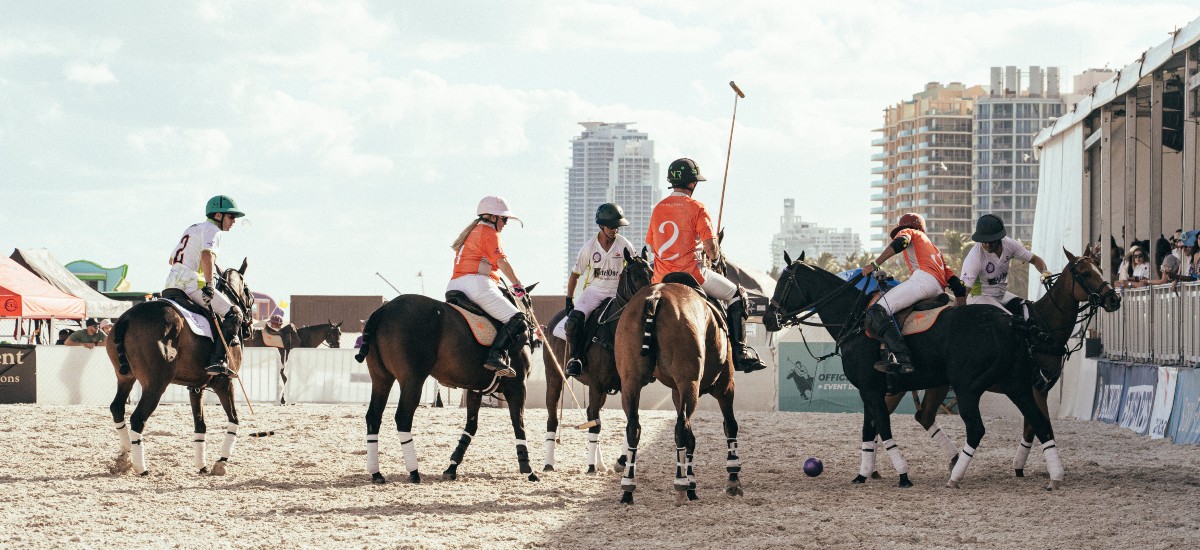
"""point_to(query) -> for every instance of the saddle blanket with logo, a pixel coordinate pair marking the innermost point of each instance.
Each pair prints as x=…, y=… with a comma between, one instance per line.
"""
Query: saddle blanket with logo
x=271, y=339
x=913, y=321
x=198, y=323
x=481, y=327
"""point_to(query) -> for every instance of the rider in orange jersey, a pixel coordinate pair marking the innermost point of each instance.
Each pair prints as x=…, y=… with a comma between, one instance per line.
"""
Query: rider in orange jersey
x=930, y=277
x=677, y=224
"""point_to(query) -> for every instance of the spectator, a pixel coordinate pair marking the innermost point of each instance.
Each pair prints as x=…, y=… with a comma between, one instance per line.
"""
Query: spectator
x=106, y=326
x=1191, y=256
x=1172, y=260
x=87, y=337
x=1135, y=270
x=62, y=337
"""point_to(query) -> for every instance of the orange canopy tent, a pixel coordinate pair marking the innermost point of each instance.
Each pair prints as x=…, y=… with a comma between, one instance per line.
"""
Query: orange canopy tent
x=24, y=295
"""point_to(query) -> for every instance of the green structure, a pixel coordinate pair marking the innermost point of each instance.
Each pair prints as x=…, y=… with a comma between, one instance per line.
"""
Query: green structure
x=102, y=279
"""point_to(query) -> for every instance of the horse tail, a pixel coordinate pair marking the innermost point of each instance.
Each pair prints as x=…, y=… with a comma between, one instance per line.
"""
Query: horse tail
x=368, y=335
x=119, y=337
x=649, y=311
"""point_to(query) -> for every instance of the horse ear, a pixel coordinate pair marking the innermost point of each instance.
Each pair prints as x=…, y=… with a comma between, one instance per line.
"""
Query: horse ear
x=787, y=260
x=721, y=235
x=530, y=288
x=645, y=253
x=1070, y=257
x=625, y=253
x=801, y=256
x=242, y=270
x=339, y=325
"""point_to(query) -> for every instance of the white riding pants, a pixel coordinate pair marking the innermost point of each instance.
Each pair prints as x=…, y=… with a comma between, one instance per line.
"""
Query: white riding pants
x=186, y=281
x=921, y=286
x=717, y=286
x=482, y=290
x=587, y=302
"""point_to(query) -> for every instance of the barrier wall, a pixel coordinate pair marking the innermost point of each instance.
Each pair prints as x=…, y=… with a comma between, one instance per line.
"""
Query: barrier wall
x=1157, y=324
x=1152, y=400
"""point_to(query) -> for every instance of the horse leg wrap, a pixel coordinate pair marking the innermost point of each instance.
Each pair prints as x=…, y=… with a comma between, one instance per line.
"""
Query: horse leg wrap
x=230, y=436
x=550, y=437
x=1022, y=454
x=681, y=480
x=372, y=454
x=461, y=450
x=627, y=482
x=522, y=453
x=964, y=458
x=893, y=451
x=123, y=434
x=137, y=454
x=691, y=475
x=943, y=440
x=593, y=449
x=410, y=451
x=198, y=447
x=867, y=466
x=733, y=464
x=1053, y=464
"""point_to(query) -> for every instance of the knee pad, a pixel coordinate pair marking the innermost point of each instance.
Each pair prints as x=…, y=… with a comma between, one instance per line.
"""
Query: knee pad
x=518, y=329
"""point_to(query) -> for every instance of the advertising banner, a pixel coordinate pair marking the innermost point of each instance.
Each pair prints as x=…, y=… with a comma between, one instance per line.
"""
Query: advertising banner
x=1184, y=427
x=808, y=386
x=1110, y=385
x=1164, y=397
x=1138, y=398
x=18, y=374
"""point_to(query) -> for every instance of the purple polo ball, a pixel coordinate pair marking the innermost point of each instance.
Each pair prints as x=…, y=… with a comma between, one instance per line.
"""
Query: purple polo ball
x=813, y=466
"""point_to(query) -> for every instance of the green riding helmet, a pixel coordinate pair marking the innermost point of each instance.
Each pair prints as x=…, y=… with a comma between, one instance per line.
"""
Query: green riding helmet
x=222, y=204
x=989, y=228
x=682, y=172
x=610, y=215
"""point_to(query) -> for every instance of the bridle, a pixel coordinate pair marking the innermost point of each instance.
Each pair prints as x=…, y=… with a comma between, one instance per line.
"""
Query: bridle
x=1095, y=296
x=626, y=288
x=238, y=299
x=850, y=328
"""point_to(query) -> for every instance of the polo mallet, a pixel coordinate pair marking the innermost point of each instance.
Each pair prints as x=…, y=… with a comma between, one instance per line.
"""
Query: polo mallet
x=563, y=374
x=389, y=283
x=737, y=93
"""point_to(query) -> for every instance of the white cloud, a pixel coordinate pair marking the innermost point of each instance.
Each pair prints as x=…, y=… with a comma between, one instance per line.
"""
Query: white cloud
x=182, y=150
x=89, y=74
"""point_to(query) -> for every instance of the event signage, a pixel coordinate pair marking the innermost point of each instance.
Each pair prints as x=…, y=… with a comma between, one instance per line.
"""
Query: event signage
x=18, y=374
x=1184, y=427
x=1138, y=402
x=1110, y=385
x=1164, y=397
x=808, y=386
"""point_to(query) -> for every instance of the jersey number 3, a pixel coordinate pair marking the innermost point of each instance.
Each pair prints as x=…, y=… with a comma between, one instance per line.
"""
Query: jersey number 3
x=178, y=256
x=662, y=229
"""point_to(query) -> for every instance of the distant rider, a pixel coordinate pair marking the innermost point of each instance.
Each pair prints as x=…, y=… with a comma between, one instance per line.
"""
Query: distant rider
x=600, y=263
x=192, y=271
x=987, y=264
x=478, y=261
x=677, y=224
x=930, y=277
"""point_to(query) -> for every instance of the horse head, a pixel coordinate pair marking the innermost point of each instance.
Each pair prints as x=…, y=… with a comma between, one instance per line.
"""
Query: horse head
x=636, y=275
x=333, y=334
x=789, y=294
x=1088, y=282
x=233, y=284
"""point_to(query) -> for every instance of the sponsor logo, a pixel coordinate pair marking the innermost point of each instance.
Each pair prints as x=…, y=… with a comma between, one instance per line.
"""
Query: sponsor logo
x=991, y=268
x=11, y=305
x=17, y=358
x=1109, y=403
x=596, y=257
x=1139, y=401
x=8, y=379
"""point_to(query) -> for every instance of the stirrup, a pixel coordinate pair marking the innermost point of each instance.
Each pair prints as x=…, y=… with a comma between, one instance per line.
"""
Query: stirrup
x=888, y=367
x=503, y=371
x=219, y=370
x=574, y=368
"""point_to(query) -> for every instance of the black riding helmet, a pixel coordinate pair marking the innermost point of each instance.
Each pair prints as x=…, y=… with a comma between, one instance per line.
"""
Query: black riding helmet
x=989, y=228
x=681, y=172
x=610, y=215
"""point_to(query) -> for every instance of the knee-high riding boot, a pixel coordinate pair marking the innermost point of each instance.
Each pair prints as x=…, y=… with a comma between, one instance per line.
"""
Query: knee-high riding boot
x=512, y=333
x=744, y=357
x=576, y=342
x=886, y=330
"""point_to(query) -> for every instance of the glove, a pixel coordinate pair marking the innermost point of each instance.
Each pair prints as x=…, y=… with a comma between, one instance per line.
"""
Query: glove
x=570, y=303
x=1046, y=276
x=518, y=291
x=207, y=291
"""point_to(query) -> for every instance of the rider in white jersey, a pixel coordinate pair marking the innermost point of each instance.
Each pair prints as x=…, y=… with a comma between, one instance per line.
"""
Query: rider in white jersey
x=192, y=271
x=600, y=263
x=985, y=269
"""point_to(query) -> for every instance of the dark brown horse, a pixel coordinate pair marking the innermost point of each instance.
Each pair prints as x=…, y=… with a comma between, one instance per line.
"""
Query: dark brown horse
x=671, y=333
x=414, y=337
x=152, y=345
x=600, y=371
x=312, y=336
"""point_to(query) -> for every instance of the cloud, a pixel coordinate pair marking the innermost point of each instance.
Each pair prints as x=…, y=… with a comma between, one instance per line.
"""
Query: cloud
x=182, y=150
x=89, y=74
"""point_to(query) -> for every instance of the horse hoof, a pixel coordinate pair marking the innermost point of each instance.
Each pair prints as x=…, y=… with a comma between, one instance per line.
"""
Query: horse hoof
x=548, y=468
x=904, y=482
x=734, y=491
x=414, y=477
x=145, y=473
x=451, y=473
x=1053, y=485
x=691, y=494
x=203, y=470
x=377, y=479
x=859, y=479
x=534, y=477
x=952, y=484
x=1020, y=472
x=218, y=468
x=875, y=475
x=591, y=468
x=627, y=497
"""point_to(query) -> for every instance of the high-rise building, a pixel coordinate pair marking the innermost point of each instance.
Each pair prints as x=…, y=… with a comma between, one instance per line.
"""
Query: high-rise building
x=1006, y=120
x=796, y=236
x=610, y=162
x=925, y=164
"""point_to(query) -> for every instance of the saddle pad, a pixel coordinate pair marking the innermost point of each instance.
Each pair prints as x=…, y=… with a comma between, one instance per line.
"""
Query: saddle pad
x=920, y=321
x=198, y=323
x=272, y=339
x=481, y=327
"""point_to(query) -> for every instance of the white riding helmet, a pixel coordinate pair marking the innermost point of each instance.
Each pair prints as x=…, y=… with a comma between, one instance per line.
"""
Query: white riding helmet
x=495, y=206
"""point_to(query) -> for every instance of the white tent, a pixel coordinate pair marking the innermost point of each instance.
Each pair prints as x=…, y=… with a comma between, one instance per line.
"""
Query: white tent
x=43, y=264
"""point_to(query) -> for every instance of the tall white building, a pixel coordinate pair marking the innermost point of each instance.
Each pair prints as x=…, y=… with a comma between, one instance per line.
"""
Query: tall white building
x=610, y=162
x=796, y=236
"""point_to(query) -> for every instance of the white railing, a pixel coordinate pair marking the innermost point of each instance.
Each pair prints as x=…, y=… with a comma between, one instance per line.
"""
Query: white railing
x=1155, y=324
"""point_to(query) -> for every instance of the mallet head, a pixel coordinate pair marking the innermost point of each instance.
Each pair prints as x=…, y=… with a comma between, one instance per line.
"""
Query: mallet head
x=737, y=90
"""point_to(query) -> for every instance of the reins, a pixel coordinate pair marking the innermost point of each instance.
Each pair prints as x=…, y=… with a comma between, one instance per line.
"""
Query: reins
x=849, y=329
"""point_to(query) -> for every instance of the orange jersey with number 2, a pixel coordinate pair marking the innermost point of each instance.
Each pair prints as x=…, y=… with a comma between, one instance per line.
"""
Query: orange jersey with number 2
x=922, y=254
x=676, y=225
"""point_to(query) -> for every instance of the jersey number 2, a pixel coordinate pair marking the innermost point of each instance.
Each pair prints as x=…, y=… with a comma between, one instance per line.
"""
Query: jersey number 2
x=178, y=257
x=662, y=228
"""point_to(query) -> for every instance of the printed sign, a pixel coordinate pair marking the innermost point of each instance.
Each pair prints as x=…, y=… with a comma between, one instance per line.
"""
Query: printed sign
x=1138, y=401
x=808, y=386
x=18, y=374
x=1184, y=427
x=1110, y=385
x=1164, y=398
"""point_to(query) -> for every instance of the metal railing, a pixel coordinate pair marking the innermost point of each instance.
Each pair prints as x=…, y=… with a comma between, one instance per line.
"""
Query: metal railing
x=1155, y=324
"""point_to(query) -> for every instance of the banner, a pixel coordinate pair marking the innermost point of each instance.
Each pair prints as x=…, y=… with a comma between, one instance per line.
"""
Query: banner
x=1164, y=397
x=1138, y=401
x=1184, y=427
x=18, y=374
x=808, y=386
x=1110, y=384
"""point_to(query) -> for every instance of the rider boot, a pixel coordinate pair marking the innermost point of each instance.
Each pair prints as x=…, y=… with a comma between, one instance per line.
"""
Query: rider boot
x=745, y=359
x=512, y=334
x=575, y=340
x=885, y=329
x=218, y=363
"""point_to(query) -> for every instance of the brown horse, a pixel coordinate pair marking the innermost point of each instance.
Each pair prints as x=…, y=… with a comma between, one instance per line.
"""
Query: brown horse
x=413, y=337
x=600, y=372
x=312, y=336
x=671, y=333
x=152, y=345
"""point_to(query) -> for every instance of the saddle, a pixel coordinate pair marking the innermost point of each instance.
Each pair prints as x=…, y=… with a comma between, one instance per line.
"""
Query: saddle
x=483, y=327
x=183, y=300
x=686, y=279
x=919, y=317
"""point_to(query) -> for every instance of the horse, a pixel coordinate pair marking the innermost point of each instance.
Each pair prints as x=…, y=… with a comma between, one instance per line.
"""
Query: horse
x=802, y=379
x=670, y=332
x=600, y=374
x=312, y=336
x=152, y=345
x=413, y=337
x=971, y=348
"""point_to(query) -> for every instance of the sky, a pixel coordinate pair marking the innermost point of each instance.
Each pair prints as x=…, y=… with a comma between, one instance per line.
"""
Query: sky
x=359, y=136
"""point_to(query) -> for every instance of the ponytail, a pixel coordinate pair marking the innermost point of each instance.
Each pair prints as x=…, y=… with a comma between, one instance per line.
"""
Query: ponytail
x=462, y=237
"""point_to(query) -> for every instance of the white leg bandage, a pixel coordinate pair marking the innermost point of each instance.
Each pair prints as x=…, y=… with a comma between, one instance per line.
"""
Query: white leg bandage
x=410, y=451
x=681, y=480
x=550, y=436
x=198, y=447
x=137, y=455
x=1053, y=464
x=893, y=451
x=123, y=434
x=868, y=459
x=593, y=449
x=230, y=437
x=630, y=470
x=943, y=440
x=1022, y=453
x=373, y=454
x=960, y=467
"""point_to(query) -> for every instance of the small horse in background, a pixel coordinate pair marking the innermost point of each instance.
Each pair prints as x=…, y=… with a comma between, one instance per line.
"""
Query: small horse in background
x=152, y=345
x=670, y=332
x=312, y=336
x=414, y=337
x=600, y=371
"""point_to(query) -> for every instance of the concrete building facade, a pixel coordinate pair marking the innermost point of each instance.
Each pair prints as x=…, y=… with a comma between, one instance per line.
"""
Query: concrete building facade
x=796, y=235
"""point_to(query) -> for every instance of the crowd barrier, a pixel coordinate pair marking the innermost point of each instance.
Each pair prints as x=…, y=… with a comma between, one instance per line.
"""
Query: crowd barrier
x=1154, y=400
x=1157, y=324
